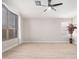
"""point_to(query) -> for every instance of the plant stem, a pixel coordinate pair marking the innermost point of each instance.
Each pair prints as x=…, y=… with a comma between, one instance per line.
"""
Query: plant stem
x=71, y=35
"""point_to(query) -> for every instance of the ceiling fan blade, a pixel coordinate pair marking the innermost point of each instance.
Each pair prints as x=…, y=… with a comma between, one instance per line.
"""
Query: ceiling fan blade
x=53, y=9
x=49, y=2
x=45, y=10
x=57, y=4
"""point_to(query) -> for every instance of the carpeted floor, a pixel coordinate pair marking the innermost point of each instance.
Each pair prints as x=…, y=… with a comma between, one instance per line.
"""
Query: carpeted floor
x=42, y=51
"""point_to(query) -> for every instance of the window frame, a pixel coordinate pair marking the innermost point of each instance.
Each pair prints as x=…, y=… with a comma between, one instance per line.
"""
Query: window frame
x=8, y=29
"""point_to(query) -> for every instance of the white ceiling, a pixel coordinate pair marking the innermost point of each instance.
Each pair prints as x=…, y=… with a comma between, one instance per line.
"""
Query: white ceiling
x=27, y=8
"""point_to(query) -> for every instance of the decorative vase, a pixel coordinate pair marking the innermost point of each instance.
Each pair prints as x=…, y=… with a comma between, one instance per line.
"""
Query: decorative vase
x=70, y=40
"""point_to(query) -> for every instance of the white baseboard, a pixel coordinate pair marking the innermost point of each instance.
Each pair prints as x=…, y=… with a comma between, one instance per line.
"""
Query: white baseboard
x=45, y=41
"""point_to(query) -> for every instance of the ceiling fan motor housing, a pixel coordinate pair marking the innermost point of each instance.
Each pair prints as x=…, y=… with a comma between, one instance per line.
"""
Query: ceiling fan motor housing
x=49, y=2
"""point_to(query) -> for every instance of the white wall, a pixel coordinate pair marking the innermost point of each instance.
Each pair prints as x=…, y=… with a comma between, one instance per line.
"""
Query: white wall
x=44, y=30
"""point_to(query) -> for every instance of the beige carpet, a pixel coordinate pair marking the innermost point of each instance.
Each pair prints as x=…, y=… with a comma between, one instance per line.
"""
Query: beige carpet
x=42, y=51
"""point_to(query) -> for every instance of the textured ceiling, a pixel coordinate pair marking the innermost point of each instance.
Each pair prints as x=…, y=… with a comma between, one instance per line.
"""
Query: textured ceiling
x=27, y=8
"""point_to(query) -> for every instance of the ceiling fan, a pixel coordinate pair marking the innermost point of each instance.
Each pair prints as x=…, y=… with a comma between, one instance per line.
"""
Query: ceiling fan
x=50, y=6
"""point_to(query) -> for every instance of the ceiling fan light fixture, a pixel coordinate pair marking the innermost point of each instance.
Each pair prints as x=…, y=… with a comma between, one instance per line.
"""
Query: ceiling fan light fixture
x=49, y=8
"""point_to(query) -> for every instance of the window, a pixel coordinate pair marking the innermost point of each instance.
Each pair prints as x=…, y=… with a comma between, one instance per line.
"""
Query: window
x=4, y=23
x=9, y=24
x=12, y=25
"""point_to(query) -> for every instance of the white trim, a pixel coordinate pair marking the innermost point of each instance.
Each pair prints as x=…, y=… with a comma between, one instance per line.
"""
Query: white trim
x=19, y=30
x=45, y=41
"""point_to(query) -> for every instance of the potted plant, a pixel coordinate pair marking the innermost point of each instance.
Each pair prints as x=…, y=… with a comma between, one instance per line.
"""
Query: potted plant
x=71, y=28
